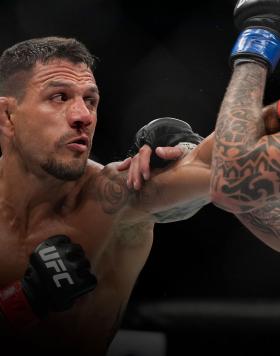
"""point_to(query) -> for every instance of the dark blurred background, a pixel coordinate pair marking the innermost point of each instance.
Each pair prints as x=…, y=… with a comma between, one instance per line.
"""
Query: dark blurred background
x=170, y=58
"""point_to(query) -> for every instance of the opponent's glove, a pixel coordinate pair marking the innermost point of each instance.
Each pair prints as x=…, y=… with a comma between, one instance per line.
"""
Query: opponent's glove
x=259, y=40
x=58, y=273
x=165, y=131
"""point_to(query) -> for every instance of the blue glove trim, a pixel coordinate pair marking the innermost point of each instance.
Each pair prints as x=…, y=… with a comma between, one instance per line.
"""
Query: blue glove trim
x=258, y=42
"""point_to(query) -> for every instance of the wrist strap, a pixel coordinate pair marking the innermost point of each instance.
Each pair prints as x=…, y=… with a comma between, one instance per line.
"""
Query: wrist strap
x=258, y=43
x=16, y=308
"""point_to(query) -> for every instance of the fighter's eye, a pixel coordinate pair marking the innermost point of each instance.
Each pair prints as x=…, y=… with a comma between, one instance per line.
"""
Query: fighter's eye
x=59, y=97
x=91, y=102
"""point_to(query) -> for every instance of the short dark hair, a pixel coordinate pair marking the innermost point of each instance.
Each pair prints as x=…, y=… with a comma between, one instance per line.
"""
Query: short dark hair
x=18, y=61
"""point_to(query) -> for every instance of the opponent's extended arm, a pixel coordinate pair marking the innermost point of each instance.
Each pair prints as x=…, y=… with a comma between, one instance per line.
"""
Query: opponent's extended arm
x=58, y=273
x=197, y=161
x=264, y=223
x=245, y=167
x=176, y=192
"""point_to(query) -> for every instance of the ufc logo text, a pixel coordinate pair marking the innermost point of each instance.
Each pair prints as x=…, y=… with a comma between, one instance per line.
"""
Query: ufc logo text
x=52, y=260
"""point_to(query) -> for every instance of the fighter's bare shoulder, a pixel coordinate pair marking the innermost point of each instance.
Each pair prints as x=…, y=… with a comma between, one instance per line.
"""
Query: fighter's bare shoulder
x=108, y=186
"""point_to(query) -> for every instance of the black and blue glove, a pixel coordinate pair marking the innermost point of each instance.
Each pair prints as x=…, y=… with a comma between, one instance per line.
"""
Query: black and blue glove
x=259, y=39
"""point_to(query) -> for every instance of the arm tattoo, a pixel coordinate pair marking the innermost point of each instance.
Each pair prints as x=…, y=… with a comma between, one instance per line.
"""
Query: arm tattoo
x=111, y=191
x=181, y=212
x=244, y=170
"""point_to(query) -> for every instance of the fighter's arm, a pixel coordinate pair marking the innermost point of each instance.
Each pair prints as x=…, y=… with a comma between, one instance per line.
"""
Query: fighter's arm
x=172, y=193
x=139, y=170
x=198, y=157
x=139, y=167
x=264, y=222
x=181, y=190
x=245, y=166
x=245, y=170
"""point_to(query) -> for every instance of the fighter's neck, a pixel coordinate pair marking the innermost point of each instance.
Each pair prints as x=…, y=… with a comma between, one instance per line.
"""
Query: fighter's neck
x=26, y=190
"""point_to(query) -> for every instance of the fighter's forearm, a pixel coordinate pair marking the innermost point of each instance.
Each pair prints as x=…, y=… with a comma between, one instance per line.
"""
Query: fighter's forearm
x=239, y=125
x=245, y=174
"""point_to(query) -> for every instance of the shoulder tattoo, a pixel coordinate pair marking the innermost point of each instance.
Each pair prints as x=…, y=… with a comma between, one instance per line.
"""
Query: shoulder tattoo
x=111, y=190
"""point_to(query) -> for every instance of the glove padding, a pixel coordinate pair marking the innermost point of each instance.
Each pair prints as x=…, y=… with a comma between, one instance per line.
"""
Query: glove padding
x=165, y=131
x=57, y=275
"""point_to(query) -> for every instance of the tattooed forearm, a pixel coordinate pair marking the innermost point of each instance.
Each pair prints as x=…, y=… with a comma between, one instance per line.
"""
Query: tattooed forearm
x=245, y=168
x=182, y=212
x=239, y=124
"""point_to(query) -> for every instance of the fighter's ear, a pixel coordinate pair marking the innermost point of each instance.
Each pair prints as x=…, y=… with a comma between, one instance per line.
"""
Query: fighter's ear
x=7, y=105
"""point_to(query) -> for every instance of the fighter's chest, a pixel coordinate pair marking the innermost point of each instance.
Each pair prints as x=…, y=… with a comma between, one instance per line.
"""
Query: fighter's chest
x=17, y=242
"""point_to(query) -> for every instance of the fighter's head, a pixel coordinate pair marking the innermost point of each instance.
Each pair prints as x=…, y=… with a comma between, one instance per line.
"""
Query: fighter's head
x=48, y=105
x=18, y=61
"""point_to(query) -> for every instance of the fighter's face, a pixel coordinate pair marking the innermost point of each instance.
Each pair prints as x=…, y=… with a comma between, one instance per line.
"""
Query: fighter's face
x=55, y=121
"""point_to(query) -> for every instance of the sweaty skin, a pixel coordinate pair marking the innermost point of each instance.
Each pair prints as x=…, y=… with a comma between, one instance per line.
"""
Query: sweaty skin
x=49, y=186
